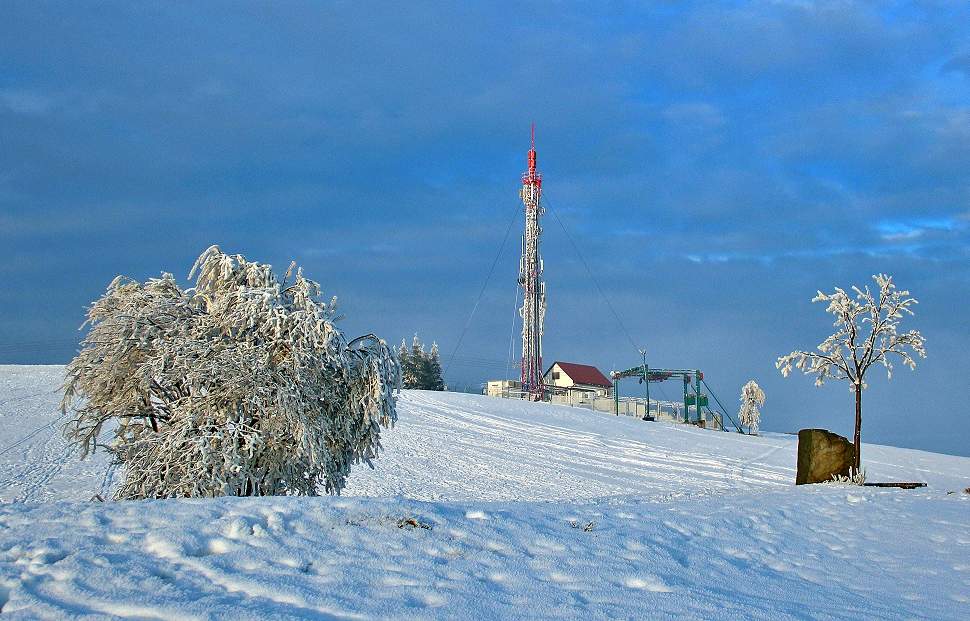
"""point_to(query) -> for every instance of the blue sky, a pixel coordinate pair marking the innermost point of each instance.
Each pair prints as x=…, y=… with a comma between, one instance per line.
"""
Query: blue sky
x=717, y=162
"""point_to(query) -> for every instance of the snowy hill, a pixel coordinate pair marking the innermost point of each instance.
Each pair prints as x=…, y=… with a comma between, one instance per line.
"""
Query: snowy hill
x=483, y=508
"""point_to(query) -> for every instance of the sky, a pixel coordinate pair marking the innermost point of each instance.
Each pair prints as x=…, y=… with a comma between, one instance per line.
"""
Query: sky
x=708, y=166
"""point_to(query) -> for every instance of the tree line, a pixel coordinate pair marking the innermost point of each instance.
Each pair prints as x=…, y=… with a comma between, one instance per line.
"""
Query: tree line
x=420, y=369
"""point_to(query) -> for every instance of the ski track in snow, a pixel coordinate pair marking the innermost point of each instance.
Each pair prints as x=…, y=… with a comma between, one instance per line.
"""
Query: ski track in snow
x=449, y=452
x=532, y=511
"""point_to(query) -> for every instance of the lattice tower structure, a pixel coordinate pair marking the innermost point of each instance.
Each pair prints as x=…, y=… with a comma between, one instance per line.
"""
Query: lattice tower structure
x=533, y=310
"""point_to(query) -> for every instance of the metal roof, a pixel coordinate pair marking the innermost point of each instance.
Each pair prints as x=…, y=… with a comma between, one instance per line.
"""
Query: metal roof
x=582, y=374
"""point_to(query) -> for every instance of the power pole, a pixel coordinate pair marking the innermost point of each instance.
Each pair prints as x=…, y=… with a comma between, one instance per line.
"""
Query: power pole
x=533, y=309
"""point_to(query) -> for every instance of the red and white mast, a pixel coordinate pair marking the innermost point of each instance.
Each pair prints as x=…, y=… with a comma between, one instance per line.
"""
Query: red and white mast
x=533, y=309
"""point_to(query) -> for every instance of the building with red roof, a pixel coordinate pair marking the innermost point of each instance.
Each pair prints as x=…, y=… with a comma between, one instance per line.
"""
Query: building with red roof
x=574, y=377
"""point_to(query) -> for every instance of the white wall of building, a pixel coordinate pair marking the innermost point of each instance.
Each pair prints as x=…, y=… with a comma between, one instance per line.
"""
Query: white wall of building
x=558, y=378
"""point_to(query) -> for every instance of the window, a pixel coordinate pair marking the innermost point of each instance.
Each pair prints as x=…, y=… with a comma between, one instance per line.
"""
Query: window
x=555, y=375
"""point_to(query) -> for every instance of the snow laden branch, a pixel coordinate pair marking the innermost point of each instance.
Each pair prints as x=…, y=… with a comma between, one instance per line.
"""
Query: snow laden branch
x=866, y=334
x=241, y=385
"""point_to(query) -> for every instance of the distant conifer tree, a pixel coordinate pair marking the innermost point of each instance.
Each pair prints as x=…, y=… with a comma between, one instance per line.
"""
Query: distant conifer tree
x=420, y=370
x=407, y=360
x=435, y=380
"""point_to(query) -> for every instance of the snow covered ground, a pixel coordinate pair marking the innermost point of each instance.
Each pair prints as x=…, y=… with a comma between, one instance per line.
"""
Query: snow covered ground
x=485, y=508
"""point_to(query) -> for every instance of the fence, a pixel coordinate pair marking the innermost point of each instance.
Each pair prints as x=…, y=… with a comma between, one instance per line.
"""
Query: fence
x=671, y=411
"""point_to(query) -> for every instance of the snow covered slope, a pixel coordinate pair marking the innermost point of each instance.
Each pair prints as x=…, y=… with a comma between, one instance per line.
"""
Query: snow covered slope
x=469, y=447
x=484, y=508
x=35, y=464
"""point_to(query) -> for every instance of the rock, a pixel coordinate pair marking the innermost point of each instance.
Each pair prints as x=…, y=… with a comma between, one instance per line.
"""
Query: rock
x=822, y=454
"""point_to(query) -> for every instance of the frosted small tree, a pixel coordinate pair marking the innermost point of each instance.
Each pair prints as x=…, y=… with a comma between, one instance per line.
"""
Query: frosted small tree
x=867, y=333
x=405, y=359
x=752, y=399
x=239, y=386
x=420, y=369
x=411, y=375
x=435, y=381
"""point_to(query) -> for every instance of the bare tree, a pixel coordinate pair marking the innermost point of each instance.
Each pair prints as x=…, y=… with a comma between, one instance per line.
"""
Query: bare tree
x=867, y=334
x=239, y=386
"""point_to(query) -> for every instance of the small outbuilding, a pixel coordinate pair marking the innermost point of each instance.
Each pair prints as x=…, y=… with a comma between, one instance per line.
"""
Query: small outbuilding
x=504, y=388
x=571, y=377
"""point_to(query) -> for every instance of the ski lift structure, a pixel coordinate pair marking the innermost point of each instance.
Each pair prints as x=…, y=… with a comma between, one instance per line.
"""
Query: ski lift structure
x=693, y=396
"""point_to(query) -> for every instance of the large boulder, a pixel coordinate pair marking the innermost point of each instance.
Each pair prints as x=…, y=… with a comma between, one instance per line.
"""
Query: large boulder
x=822, y=454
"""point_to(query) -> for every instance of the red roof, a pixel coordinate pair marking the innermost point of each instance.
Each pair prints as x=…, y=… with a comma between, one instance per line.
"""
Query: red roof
x=583, y=374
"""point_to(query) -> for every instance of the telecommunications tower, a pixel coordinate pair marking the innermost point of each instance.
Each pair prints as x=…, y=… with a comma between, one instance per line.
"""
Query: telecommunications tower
x=533, y=309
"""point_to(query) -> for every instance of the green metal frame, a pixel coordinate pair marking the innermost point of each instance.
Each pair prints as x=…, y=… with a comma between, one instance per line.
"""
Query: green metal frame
x=697, y=399
x=647, y=375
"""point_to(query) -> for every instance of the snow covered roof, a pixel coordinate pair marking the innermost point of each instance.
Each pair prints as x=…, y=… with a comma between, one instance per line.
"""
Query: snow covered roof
x=583, y=374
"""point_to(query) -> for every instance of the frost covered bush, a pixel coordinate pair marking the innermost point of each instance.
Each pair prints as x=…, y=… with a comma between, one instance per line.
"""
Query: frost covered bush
x=856, y=477
x=752, y=399
x=239, y=386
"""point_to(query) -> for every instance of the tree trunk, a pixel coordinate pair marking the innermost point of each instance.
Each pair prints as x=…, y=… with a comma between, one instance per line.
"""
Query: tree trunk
x=858, y=426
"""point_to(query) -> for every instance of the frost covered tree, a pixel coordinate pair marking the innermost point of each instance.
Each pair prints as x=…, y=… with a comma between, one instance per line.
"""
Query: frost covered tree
x=408, y=374
x=867, y=333
x=411, y=363
x=434, y=379
x=752, y=399
x=420, y=369
x=241, y=385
